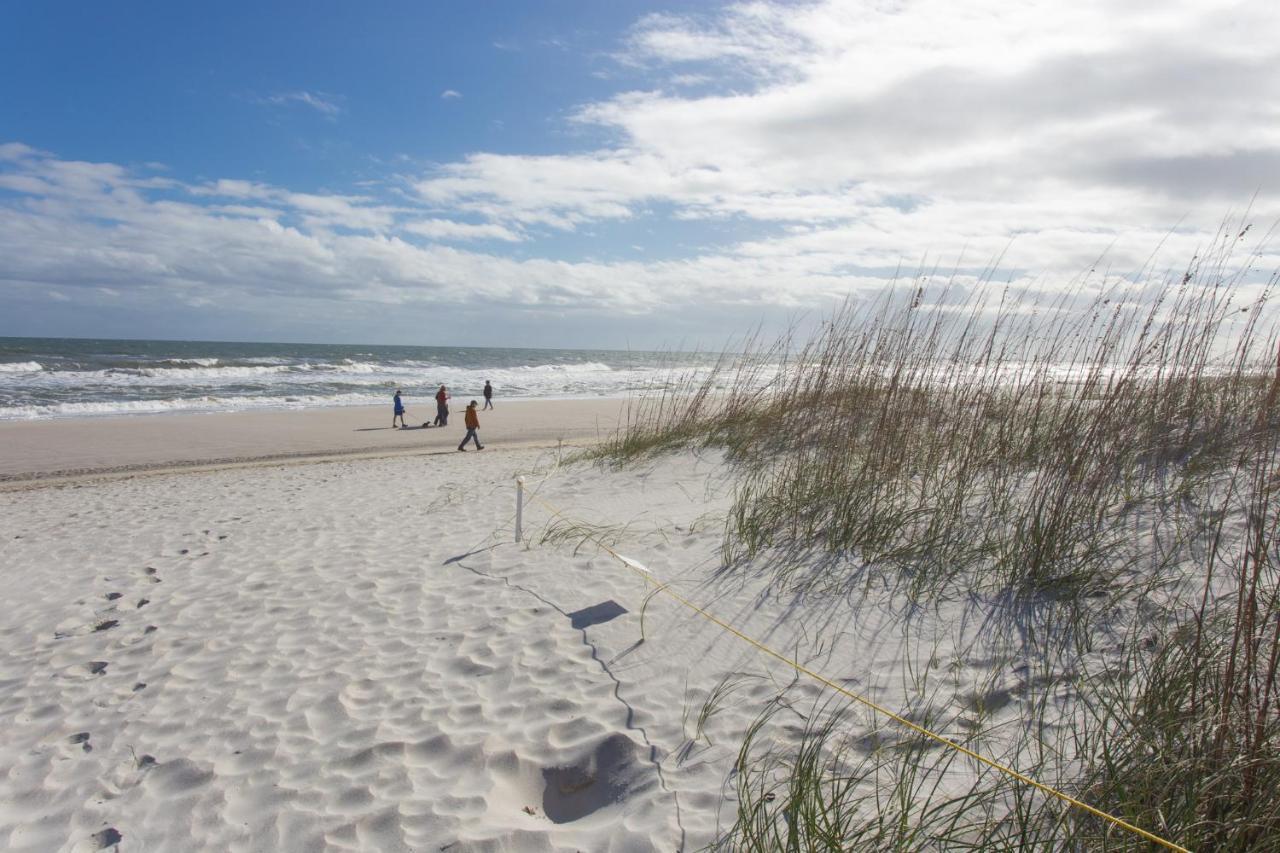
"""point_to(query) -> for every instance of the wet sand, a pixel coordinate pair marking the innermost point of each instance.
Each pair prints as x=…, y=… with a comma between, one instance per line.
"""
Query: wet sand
x=77, y=447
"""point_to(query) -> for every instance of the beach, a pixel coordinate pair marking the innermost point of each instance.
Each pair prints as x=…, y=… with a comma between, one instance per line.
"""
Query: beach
x=326, y=656
x=350, y=654
x=885, y=452
x=356, y=654
x=40, y=449
x=304, y=630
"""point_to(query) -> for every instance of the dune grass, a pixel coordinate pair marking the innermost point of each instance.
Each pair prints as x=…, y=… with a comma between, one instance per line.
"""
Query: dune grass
x=1114, y=446
x=938, y=437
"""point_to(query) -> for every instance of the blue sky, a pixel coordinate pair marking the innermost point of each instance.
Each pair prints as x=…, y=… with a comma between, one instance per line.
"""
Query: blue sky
x=602, y=174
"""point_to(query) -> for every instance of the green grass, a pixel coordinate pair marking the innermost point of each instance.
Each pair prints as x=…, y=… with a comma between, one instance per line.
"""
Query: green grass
x=1114, y=448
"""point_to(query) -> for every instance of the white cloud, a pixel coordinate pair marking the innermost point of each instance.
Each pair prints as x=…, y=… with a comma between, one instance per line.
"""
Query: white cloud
x=826, y=144
x=80, y=235
x=560, y=191
x=326, y=105
x=448, y=229
x=334, y=211
x=901, y=127
x=755, y=35
x=16, y=151
x=450, y=94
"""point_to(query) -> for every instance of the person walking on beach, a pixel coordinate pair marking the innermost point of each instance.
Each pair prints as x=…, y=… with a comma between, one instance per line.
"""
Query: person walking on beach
x=399, y=412
x=473, y=424
x=488, y=395
x=442, y=407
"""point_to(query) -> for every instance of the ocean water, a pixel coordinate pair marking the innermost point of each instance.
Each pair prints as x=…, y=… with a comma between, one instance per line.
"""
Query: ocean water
x=60, y=378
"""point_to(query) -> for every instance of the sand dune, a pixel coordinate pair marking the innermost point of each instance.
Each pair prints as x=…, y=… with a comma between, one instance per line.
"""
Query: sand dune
x=356, y=655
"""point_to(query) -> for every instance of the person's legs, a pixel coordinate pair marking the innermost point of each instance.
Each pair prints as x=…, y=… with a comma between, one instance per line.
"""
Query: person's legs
x=488, y=404
x=471, y=436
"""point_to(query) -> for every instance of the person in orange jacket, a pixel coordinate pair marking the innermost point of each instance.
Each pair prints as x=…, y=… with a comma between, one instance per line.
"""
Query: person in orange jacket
x=473, y=424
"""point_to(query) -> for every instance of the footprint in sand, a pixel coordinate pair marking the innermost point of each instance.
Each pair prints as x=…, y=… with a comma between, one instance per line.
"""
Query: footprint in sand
x=73, y=746
x=139, y=638
x=84, y=671
x=100, y=840
x=128, y=774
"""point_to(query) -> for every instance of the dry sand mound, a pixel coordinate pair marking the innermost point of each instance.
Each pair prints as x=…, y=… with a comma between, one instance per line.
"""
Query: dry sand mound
x=356, y=656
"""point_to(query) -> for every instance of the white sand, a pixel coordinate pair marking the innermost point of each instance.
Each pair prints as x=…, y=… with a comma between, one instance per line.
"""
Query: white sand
x=355, y=655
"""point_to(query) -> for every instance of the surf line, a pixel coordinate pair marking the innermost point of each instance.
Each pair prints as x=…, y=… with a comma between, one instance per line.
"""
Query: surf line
x=648, y=577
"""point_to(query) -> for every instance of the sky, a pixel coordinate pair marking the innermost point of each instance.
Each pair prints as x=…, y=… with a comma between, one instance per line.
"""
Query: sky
x=591, y=174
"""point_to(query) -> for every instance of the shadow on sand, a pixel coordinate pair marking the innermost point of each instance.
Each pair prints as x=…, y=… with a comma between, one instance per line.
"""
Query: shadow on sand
x=376, y=429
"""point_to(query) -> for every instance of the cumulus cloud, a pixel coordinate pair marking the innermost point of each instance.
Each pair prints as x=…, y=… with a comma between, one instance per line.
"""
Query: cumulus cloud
x=436, y=229
x=829, y=142
x=450, y=94
x=83, y=227
x=925, y=125
x=16, y=151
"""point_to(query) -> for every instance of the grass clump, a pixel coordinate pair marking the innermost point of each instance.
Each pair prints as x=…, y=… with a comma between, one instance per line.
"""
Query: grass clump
x=1114, y=449
x=833, y=791
x=985, y=435
x=1193, y=741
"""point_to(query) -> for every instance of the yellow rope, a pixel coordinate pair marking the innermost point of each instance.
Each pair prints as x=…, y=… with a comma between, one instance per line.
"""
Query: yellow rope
x=799, y=667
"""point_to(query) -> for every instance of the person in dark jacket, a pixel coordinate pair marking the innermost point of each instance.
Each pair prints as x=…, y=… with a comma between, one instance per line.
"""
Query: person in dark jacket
x=488, y=395
x=442, y=407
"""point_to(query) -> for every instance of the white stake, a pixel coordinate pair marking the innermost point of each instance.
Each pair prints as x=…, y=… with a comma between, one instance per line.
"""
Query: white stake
x=519, y=505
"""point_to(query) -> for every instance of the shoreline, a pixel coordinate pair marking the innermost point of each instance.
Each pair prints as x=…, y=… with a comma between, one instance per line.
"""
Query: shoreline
x=50, y=452
x=370, y=402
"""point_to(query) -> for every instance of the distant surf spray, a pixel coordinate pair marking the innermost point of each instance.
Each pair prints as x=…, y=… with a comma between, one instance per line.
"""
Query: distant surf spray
x=48, y=377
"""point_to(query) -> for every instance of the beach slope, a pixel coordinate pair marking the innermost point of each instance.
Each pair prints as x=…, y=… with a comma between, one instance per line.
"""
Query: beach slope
x=83, y=446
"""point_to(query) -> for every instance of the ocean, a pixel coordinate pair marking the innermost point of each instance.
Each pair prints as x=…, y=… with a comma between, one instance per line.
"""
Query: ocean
x=73, y=377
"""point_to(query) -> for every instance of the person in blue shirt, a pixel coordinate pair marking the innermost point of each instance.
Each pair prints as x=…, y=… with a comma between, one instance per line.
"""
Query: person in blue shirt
x=399, y=411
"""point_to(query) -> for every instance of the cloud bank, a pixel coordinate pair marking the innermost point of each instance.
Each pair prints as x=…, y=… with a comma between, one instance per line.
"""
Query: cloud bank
x=804, y=151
